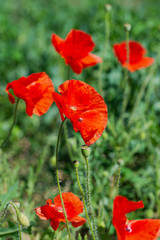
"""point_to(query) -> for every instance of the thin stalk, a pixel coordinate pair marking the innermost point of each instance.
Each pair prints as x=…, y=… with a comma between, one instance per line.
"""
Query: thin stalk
x=19, y=225
x=65, y=126
x=4, y=213
x=59, y=187
x=52, y=235
x=89, y=200
x=118, y=180
x=2, y=234
x=83, y=199
x=107, y=38
x=14, y=120
x=126, y=82
x=141, y=93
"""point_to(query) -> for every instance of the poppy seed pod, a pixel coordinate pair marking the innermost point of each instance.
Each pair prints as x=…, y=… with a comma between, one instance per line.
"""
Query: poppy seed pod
x=85, y=150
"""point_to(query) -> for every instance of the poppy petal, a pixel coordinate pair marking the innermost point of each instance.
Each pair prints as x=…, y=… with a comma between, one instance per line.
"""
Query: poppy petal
x=84, y=107
x=148, y=229
x=54, y=224
x=44, y=212
x=57, y=42
x=75, y=49
x=90, y=60
x=145, y=62
x=36, y=90
x=78, y=221
x=73, y=205
x=136, y=56
x=77, y=45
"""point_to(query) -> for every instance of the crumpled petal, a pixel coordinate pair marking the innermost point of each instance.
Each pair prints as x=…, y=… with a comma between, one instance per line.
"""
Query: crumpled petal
x=36, y=90
x=75, y=49
x=85, y=108
x=78, y=221
x=73, y=205
x=148, y=229
x=136, y=56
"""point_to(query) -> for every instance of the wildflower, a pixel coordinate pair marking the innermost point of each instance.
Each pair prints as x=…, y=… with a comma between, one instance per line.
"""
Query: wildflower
x=137, y=60
x=148, y=229
x=36, y=90
x=75, y=49
x=85, y=108
x=54, y=212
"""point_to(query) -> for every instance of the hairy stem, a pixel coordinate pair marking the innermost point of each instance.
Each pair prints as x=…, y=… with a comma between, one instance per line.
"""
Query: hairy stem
x=89, y=200
x=59, y=188
x=83, y=199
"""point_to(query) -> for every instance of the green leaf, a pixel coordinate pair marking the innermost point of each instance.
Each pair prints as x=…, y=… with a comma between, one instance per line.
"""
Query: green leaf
x=9, y=195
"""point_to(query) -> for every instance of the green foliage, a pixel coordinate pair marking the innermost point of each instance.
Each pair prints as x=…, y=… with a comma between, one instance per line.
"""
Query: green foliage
x=27, y=162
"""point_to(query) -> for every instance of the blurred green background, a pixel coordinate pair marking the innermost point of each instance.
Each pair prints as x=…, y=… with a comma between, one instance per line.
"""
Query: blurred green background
x=29, y=156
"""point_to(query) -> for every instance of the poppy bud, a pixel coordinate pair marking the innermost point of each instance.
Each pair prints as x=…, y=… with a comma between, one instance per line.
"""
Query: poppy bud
x=76, y=164
x=127, y=27
x=17, y=204
x=108, y=7
x=23, y=220
x=85, y=150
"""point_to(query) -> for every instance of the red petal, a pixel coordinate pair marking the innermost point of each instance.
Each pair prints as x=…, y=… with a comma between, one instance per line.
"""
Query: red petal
x=77, y=45
x=44, y=212
x=148, y=229
x=90, y=60
x=36, y=90
x=54, y=224
x=136, y=52
x=73, y=205
x=57, y=42
x=78, y=221
x=84, y=107
x=145, y=62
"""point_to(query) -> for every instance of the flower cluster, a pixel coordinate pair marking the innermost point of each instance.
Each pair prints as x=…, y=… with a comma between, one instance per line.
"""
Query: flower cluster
x=87, y=111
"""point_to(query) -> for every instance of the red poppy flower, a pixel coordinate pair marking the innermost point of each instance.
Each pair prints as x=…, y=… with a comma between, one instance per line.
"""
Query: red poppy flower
x=75, y=49
x=84, y=107
x=136, y=56
x=36, y=90
x=54, y=212
x=148, y=229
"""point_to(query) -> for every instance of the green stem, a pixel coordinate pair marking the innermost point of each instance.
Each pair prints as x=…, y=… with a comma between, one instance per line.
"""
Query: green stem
x=126, y=82
x=83, y=199
x=2, y=234
x=69, y=149
x=68, y=72
x=141, y=93
x=59, y=188
x=118, y=180
x=101, y=66
x=89, y=200
x=19, y=226
x=4, y=213
x=14, y=120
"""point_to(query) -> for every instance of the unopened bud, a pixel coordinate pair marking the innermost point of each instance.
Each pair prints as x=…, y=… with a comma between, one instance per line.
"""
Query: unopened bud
x=85, y=150
x=127, y=27
x=76, y=164
x=17, y=204
x=108, y=7
x=120, y=162
x=24, y=221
